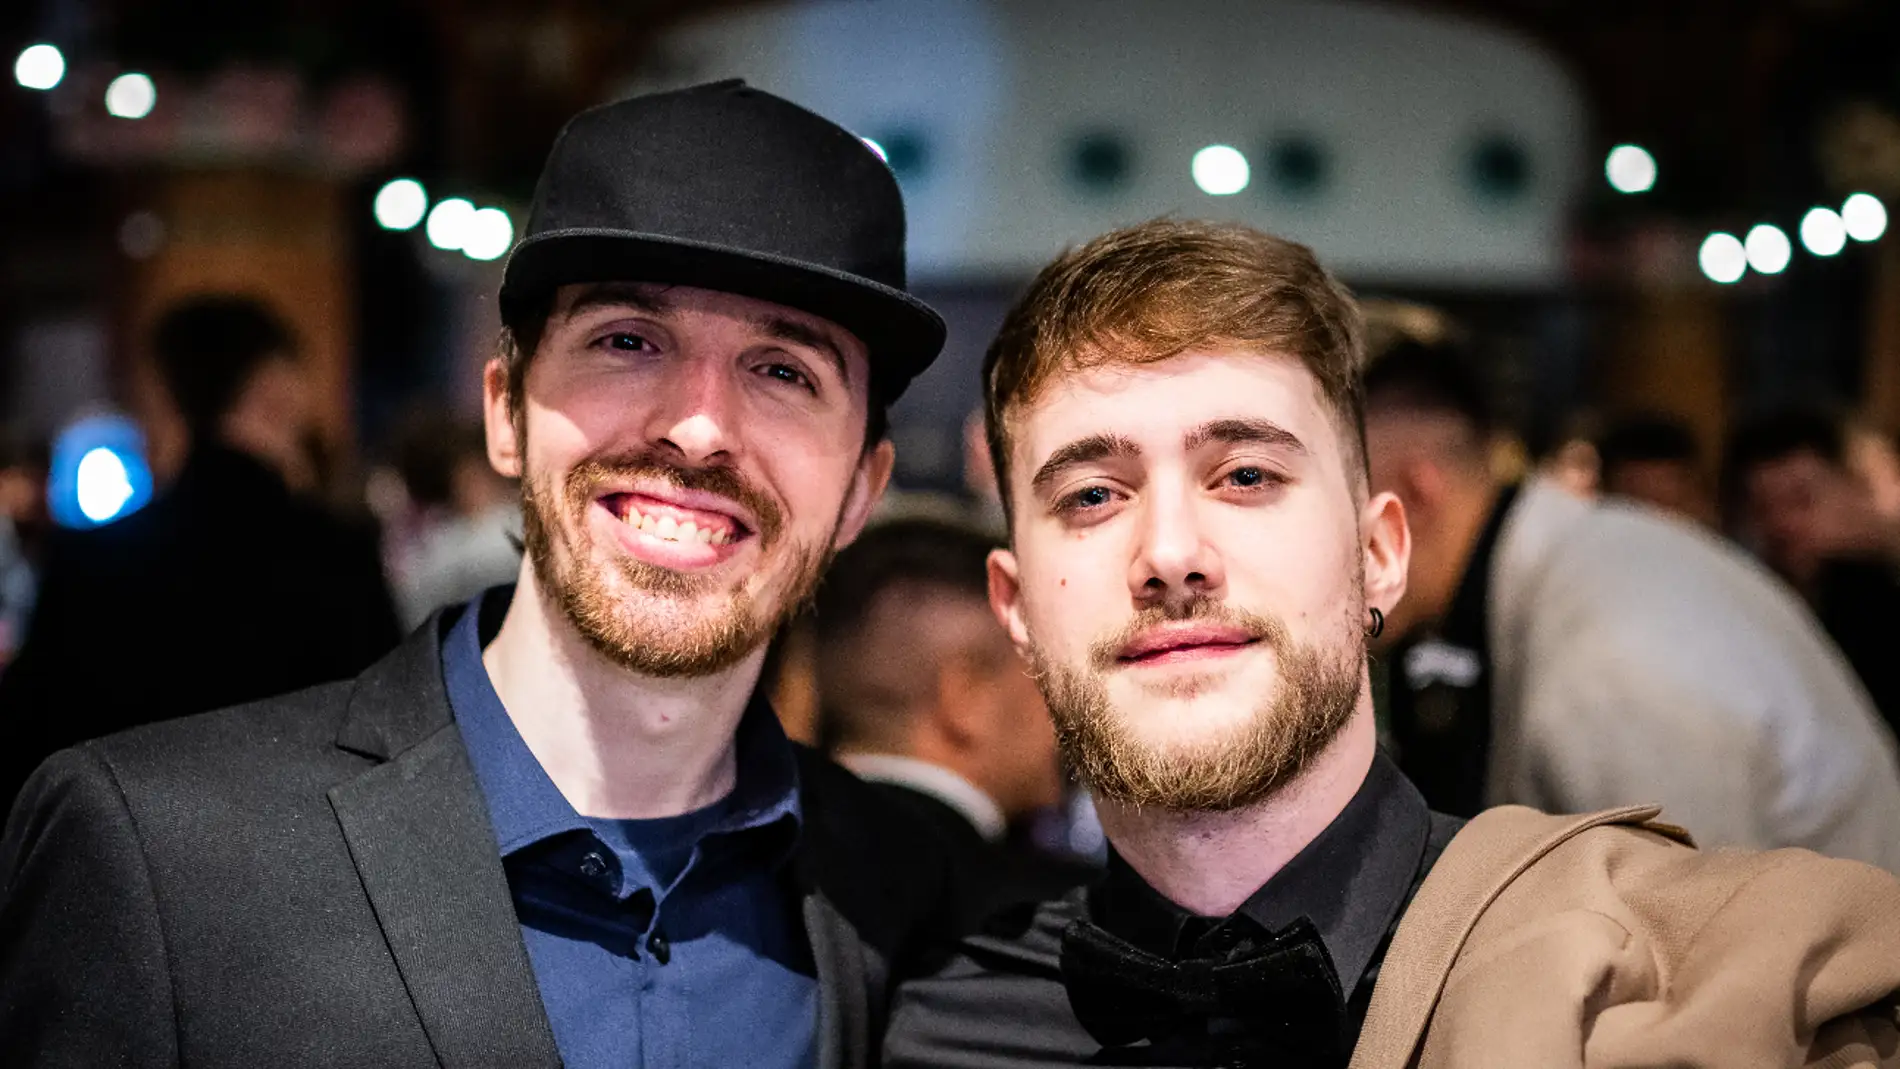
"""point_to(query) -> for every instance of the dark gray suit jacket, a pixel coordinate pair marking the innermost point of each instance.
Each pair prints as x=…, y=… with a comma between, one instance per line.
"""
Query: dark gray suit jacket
x=312, y=881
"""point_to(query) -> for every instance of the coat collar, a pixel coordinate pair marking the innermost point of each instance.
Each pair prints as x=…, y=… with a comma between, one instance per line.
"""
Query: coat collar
x=419, y=834
x=400, y=700
x=1494, y=849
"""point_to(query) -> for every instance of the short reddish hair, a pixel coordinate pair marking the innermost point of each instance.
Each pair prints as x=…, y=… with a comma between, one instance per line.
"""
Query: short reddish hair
x=1151, y=292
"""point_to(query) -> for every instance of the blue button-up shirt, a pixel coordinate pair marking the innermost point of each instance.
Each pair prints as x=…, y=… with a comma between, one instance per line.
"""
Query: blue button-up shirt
x=656, y=943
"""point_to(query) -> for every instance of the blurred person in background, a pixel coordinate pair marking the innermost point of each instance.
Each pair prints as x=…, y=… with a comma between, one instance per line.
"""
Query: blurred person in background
x=23, y=523
x=1799, y=500
x=232, y=585
x=1653, y=458
x=1571, y=656
x=1569, y=459
x=467, y=534
x=922, y=693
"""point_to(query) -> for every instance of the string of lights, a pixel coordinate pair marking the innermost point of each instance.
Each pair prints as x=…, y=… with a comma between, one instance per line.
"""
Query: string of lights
x=1765, y=249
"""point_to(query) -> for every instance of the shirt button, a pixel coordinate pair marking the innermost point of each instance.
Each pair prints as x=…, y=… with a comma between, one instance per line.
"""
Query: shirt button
x=661, y=950
x=593, y=865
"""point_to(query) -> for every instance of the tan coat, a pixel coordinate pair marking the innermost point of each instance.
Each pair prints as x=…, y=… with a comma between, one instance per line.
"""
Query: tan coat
x=1606, y=941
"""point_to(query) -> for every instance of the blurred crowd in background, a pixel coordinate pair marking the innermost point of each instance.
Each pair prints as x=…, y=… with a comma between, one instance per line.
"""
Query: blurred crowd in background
x=244, y=322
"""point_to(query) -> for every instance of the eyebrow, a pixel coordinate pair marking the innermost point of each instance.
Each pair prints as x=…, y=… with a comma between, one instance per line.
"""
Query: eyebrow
x=1082, y=451
x=790, y=330
x=1243, y=431
x=644, y=299
x=616, y=295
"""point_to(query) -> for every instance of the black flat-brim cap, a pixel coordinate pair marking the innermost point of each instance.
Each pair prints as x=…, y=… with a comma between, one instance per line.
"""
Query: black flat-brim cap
x=726, y=187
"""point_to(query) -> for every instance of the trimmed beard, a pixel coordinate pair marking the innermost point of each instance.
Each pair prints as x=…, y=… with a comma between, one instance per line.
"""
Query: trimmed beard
x=616, y=629
x=1316, y=698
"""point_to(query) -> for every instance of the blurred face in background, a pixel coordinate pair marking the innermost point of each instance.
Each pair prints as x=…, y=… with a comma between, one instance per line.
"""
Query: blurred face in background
x=928, y=674
x=1872, y=459
x=1673, y=486
x=271, y=418
x=1802, y=510
x=689, y=461
x=994, y=698
x=1189, y=573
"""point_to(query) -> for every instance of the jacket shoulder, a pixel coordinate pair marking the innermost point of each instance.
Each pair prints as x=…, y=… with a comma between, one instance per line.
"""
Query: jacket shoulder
x=271, y=740
x=1698, y=957
x=886, y=868
x=1666, y=954
x=842, y=804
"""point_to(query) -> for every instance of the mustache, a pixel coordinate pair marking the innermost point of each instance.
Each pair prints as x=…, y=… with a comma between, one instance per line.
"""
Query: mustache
x=1105, y=652
x=584, y=480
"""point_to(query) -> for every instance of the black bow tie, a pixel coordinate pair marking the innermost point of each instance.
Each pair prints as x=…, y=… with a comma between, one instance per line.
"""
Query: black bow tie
x=1262, y=995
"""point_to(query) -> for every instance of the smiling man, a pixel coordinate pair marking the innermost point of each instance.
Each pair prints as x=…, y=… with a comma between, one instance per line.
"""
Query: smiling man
x=558, y=826
x=1195, y=562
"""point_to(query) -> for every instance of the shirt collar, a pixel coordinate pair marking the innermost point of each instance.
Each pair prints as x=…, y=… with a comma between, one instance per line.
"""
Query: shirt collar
x=526, y=807
x=938, y=782
x=1351, y=881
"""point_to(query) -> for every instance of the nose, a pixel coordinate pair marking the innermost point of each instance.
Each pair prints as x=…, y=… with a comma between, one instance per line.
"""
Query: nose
x=693, y=416
x=1174, y=561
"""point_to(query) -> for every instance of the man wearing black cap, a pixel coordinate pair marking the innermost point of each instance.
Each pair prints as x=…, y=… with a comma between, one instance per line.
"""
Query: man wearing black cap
x=556, y=826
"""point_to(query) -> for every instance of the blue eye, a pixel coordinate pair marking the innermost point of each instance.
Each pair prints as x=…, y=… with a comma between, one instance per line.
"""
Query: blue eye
x=789, y=375
x=1091, y=497
x=628, y=343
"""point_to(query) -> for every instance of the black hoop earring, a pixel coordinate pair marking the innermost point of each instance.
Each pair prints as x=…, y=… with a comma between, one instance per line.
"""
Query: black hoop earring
x=1378, y=624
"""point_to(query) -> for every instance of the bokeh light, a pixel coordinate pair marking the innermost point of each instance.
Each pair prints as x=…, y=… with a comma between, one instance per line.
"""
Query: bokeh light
x=39, y=67
x=104, y=485
x=1768, y=249
x=1864, y=216
x=1723, y=258
x=1220, y=170
x=131, y=96
x=401, y=204
x=448, y=223
x=1822, y=232
x=488, y=235
x=1630, y=169
x=98, y=472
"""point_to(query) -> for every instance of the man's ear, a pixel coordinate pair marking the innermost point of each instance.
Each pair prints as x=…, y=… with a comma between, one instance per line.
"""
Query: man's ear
x=867, y=489
x=1006, y=598
x=1387, y=541
x=498, y=421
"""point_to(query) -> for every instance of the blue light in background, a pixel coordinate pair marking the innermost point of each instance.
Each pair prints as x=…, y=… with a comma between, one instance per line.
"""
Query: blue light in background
x=98, y=472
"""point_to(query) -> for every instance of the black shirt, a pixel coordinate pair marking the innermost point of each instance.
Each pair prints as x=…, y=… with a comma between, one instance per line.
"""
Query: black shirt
x=1439, y=699
x=1854, y=598
x=1001, y=1002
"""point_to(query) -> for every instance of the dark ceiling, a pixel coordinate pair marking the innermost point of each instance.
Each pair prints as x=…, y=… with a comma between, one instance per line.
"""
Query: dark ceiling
x=1742, y=101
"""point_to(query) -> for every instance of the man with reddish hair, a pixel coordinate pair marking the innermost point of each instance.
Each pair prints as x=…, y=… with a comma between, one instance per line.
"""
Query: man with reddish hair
x=1195, y=564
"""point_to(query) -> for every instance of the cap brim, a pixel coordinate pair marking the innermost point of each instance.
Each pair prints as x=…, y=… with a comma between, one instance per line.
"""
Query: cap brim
x=902, y=334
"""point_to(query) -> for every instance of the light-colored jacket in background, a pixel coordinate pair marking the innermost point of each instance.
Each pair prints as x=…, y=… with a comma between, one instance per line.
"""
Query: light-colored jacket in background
x=1639, y=659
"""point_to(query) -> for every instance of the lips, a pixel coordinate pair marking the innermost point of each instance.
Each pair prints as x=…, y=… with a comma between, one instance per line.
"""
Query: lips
x=1170, y=642
x=673, y=520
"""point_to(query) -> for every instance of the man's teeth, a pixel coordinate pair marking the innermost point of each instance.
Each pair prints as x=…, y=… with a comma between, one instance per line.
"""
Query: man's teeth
x=671, y=530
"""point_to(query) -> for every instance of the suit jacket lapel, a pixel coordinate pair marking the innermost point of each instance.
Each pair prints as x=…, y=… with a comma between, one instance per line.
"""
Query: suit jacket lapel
x=837, y=952
x=419, y=833
x=1478, y=864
